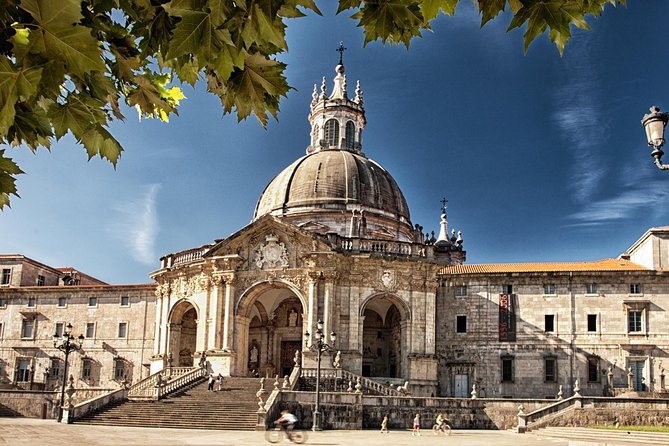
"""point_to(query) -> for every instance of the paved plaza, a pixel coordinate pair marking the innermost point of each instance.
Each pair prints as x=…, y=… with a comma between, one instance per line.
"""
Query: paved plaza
x=18, y=431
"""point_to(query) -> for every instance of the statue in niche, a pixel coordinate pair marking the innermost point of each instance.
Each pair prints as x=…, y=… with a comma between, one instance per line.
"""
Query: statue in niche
x=253, y=356
x=292, y=318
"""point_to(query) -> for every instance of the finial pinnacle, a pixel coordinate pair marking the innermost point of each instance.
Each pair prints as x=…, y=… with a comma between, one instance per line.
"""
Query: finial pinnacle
x=323, y=88
x=444, y=205
x=341, y=50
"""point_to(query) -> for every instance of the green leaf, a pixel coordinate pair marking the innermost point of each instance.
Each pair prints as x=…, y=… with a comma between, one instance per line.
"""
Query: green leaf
x=8, y=169
x=391, y=21
x=196, y=34
x=430, y=8
x=489, y=9
x=255, y=89
x=59, y=36
x=98, y=141
x=348, y=4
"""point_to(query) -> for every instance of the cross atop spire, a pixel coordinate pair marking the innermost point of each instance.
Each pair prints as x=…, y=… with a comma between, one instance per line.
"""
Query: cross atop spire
x=444, y=205
x=341, y=50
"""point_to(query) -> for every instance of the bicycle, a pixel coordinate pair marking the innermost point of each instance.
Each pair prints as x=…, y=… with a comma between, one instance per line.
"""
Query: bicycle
x=445, y=429
x=277, y=434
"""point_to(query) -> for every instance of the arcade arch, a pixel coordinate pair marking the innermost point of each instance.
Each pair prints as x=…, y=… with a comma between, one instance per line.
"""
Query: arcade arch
x=183, y=333
x=272, y=319
x=385, y=319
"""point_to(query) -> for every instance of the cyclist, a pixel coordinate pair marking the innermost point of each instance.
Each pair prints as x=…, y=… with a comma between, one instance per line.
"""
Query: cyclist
x=286, y=423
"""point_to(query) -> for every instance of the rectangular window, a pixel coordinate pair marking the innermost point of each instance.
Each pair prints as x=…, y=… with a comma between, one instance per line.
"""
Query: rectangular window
x=86, y=364
x=122, y=329
x=634, y=318
x=461, y=324
x=507, y=369
x=2, y=326
x=119, y=369
x=6, y=276
x=593, y=370
x=90, y=330
x=635, y=288
x=54, y=369
x=23, y=370
x=40, y=280
x=27, y=328
x=32, y=302
x=550, y=369
x=125, y=301
x=592, y=322
x=62, y=302
x=591, y=288
x=549, y=323
x=507, y=289
x=59, y=328
x=549, y=289
x=92, y=301
x=461, y=291
x=3, y=302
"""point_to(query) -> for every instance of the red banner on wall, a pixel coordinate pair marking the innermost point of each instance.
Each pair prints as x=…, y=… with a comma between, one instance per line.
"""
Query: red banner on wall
x=507, y=319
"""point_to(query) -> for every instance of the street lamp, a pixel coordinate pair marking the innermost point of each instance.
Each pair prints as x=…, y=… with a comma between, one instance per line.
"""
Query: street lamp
x=66, y=344
x=319, y=346
x=654, y=123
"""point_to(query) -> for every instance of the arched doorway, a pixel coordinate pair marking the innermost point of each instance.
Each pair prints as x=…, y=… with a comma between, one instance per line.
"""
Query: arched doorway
x=183, y=334
x=382, y=337
x=275, y=325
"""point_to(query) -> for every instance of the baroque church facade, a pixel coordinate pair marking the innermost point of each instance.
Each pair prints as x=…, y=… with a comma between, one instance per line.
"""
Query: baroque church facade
x=331, y=242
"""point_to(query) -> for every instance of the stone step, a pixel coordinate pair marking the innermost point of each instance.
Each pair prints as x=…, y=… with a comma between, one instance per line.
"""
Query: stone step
x=195, y=407
x=604, y=436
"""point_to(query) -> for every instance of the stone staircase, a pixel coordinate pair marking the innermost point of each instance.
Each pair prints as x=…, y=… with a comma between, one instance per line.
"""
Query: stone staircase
x=8, y=412
x=194, y=407
x=578, y=436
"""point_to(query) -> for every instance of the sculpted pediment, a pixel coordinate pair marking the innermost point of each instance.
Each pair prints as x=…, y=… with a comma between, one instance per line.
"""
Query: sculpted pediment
x=269, y=244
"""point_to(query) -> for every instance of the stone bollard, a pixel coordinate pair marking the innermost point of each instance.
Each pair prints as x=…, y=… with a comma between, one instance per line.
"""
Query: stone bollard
x=522, y=420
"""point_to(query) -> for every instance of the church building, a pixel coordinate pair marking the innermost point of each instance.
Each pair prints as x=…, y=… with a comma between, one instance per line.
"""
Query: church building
x=332, y=243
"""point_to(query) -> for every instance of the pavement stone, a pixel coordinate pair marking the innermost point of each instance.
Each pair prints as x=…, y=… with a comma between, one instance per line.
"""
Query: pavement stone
x=22, y=431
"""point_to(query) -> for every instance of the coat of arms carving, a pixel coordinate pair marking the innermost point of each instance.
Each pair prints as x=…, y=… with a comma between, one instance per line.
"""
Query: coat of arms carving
x=271, y=254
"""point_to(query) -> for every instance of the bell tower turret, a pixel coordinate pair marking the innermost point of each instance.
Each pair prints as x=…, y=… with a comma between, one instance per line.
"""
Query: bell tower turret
x=337, y=121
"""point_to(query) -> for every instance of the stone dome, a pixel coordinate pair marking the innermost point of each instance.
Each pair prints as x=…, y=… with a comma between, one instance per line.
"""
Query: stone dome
x=328, y=189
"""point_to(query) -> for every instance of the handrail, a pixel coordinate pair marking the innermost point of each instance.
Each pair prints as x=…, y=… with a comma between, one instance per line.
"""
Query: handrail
x=177, y=383
x=145, y=389
x=349, y=376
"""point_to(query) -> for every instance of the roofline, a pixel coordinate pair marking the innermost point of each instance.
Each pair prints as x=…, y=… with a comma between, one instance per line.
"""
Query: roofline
x=28, y=259
x=63, y=288
x=645, y=236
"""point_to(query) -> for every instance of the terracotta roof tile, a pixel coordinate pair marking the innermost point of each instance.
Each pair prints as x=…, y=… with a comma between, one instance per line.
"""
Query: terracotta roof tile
x=598, y=265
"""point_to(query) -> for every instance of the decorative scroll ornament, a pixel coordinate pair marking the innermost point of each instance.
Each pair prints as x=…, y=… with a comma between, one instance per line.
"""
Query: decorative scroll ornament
x=388, y=279
x=271, y=254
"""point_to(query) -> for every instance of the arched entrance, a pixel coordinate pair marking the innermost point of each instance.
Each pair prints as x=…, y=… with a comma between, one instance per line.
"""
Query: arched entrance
x=183, y=334
x=274, y=314
x=382, y=337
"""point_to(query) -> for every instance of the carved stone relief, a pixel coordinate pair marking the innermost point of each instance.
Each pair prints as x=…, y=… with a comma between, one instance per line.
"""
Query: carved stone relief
x=271, y=254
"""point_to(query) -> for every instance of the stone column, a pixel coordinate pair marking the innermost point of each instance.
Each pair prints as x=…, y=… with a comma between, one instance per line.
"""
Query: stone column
x=327, y=306
x=430, y=322
x=158, y=321
x=214, y=296
x=165, y=323
x=312, y=306
x=228, y=321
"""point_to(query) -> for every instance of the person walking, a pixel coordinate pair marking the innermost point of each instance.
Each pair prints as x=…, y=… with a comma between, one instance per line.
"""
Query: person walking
x=416, y=425
x=220, y=382
x=212, y=380
x=384, y=425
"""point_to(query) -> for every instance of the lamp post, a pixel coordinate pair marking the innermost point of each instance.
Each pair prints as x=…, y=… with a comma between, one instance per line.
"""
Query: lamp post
x=654, y=123
x=66, y=344
x=319, y=346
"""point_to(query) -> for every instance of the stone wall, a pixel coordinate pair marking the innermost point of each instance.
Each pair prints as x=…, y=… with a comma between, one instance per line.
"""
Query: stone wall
x=30, y=404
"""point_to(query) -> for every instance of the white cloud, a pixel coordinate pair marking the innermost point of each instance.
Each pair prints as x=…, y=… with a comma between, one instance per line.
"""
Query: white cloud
x=136, y=224
x=578, y=114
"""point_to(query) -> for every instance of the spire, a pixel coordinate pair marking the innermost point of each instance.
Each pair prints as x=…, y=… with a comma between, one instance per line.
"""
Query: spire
x=443, y=230
x=323, y=88
x=358, y=94
x=314, y=96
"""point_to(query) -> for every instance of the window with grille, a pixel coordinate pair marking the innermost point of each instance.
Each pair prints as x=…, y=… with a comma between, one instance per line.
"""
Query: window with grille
x=461, y=291
x=591, y=288
x=40, y=280
x=6, y=276
x=350, y=134
x=634, y=318
x=122, y=329
x=635, y=288
x=119, y=369
x=62, y=302
x=332, y=132
x=125, y=301
x=86, y=368
x=550, y=369
x=549, y=288
x=27, y=328
x=32, y=302
x=90, y=330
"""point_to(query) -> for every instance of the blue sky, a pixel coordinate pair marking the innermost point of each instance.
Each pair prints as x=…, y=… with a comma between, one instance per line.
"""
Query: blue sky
x=542, y=158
